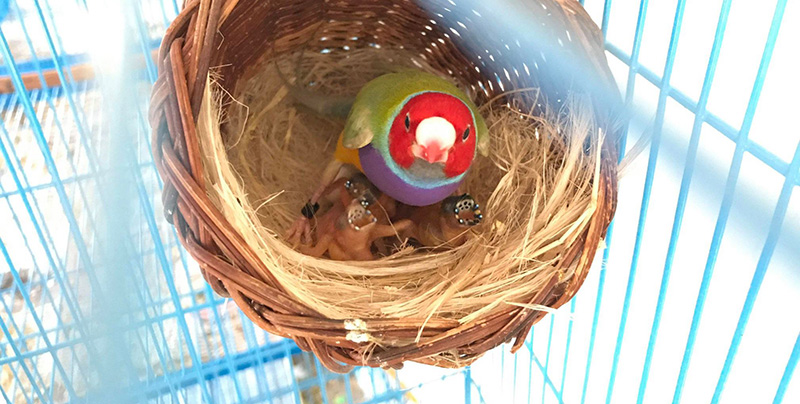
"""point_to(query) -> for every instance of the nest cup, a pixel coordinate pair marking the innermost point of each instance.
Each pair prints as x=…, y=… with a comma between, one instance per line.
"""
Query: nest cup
x=545, y=88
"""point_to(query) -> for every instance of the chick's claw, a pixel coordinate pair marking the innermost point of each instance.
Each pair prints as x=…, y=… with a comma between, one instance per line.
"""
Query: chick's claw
x=300, y=232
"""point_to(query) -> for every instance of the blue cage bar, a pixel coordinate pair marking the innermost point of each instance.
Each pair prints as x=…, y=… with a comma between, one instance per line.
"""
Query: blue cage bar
x=694, y=297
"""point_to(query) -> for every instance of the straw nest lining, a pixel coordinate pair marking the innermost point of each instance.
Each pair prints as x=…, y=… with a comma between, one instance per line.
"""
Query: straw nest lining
x=538, y=189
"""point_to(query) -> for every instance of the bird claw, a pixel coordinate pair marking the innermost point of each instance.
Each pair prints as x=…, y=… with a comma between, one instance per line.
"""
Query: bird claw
x=300, y=232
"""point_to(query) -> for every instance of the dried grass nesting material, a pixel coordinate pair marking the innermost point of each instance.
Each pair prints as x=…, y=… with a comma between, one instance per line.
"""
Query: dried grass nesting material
x=263, y=156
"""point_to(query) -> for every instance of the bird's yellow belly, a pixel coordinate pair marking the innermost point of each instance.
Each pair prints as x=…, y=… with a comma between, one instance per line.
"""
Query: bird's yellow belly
x=345, y=155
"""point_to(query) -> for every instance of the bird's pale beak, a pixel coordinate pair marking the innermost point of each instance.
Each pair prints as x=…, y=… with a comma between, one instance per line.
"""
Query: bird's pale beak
x=434, y=137
x=432, y=153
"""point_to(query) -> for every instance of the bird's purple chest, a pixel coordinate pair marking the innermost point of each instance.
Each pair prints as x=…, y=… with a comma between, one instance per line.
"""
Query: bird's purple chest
x=379, y=173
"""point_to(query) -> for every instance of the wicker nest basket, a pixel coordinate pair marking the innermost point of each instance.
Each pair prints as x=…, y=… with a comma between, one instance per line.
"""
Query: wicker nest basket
x=235, y=34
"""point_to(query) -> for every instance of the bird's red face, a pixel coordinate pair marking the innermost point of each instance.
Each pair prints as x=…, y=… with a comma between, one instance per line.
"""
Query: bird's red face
x=436, y=128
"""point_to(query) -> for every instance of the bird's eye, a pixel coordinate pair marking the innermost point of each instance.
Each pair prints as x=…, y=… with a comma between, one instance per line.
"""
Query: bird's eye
x=408, y=122
x=465, y=136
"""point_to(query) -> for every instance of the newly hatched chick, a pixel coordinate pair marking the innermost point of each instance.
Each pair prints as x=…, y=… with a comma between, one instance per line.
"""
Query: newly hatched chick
x=344, y=190
x=350, y=235
x=447, y=224
x=383, y=206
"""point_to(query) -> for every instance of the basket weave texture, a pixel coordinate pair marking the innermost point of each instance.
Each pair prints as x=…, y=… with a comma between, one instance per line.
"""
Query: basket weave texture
x=235, y=34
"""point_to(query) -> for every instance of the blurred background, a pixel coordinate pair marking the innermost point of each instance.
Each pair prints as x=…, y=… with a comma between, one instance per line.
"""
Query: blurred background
x=696, y=297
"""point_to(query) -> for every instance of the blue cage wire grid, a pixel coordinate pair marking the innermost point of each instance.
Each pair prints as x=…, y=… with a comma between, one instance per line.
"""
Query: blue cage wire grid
x=696, y=301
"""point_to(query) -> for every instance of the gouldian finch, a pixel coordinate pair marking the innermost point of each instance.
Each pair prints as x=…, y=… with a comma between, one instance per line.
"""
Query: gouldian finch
x=413, y=134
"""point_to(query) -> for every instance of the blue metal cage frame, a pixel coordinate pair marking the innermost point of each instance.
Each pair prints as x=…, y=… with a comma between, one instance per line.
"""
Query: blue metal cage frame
x=175, y=341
